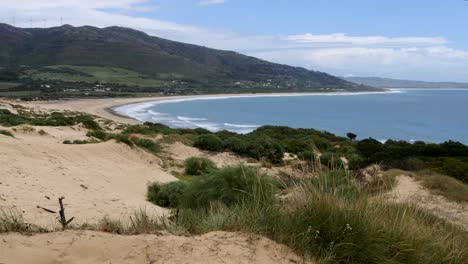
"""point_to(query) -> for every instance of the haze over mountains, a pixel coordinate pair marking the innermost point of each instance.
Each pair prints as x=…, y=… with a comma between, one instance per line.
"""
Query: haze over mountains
x=53, y=50
x=395, y=83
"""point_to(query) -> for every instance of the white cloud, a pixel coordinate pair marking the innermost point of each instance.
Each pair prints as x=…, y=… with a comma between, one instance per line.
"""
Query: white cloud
x=411, y=57
x=211, y=2
x=364, y=40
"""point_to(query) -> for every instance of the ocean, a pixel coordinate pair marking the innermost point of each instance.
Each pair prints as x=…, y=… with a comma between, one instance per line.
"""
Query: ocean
x=431, y=115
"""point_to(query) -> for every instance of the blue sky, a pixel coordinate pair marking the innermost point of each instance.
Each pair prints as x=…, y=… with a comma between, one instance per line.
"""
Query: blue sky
x=412, y=39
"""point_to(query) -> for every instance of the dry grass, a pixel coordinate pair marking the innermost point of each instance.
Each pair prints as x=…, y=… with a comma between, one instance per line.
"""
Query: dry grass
x=446, y=186
x=6, y=133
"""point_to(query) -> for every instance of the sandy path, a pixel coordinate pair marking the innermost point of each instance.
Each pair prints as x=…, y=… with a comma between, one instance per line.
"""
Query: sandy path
x=96, y=179
x=96, y=247
x=408, y=190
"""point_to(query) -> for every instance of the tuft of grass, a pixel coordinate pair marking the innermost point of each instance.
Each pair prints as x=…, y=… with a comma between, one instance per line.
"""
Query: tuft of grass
x=147, y=144
x=42, y=132
x=6, y=133
x=99, y=134
x=446, y=186
x=12, y=221
x=138, y=223
x=79, y=142
x=196, y=166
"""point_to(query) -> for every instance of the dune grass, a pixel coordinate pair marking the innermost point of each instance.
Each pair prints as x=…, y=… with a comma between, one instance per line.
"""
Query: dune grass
x=198, y=165
x=446, y=186
x=330, y=219
x=6, y=133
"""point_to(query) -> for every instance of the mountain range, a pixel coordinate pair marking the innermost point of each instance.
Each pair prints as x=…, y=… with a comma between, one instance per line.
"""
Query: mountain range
x=395, y=83
x=56, y=52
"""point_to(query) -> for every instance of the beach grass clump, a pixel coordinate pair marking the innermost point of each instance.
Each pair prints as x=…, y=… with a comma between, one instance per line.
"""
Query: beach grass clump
x=8, y=119
x=147, y=144
x=230, y=186
x=137, y=223
x=79, y=142
x=6, y=133
x=167, y=195
x=446, y=186
x=196, y=166
x=13, y=221
x=99, y=134
x=321, y=222
x=209, y=142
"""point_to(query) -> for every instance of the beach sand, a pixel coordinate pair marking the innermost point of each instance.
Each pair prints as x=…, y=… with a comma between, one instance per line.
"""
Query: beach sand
x=97, y=247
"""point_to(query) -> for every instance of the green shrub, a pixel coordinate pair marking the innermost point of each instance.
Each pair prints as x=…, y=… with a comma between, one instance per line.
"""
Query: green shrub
x=457, y=168
x=306, y=156
x=99, y=134
x=8, y=119
x=6, y=133
x=355, y=161
x=167, y=195
x=198, y=165
x=236, y=145
x=230, y=186
x=209, y=142
x=87, y=122
x=123, y=138
x=265, y=148
x=330, y=159
x=147, y=144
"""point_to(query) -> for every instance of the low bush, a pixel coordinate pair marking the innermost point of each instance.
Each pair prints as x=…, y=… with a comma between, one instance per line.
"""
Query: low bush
x=198, y=165
x=79, y=142
x=209, y=142
x=148, y=144
x=123, y=138
x=167, y=195
x=99, y=134
x=6, y=133
x=266, y=148
x=236, y=145
x=230, y=186
x=87, y=121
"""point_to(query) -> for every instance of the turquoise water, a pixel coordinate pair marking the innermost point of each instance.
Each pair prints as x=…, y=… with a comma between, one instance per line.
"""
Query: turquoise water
x=428, y=115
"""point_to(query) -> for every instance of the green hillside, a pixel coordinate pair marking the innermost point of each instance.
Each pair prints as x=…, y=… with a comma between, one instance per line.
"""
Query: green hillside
x=123, y=56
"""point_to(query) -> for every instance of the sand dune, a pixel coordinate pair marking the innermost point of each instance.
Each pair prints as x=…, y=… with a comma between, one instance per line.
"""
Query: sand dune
x=96, y=247
x=96, y=179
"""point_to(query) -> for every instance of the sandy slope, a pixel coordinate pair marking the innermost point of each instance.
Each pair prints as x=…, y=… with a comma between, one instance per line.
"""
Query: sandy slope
x=96, y=179
x=95, y=247
x=408, y=190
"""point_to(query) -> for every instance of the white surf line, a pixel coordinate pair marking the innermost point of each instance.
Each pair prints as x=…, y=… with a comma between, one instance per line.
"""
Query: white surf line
x=127, y=109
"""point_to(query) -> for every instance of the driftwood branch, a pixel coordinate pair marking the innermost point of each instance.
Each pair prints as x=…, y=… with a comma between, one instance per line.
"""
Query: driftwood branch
x=62, y=219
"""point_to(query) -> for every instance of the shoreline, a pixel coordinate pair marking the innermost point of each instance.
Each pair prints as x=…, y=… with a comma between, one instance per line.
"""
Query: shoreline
x=173, y=99
x=106, y=107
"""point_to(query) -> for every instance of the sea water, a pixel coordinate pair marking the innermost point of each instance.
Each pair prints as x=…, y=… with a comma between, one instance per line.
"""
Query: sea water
x=431, y=115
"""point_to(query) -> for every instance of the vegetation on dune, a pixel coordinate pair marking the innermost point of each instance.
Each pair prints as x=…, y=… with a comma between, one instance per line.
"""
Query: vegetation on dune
x=198, y=165
x=330, y=218
x=6, y=133
x=53, y=119
x=444, y=185
x=335, y=217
